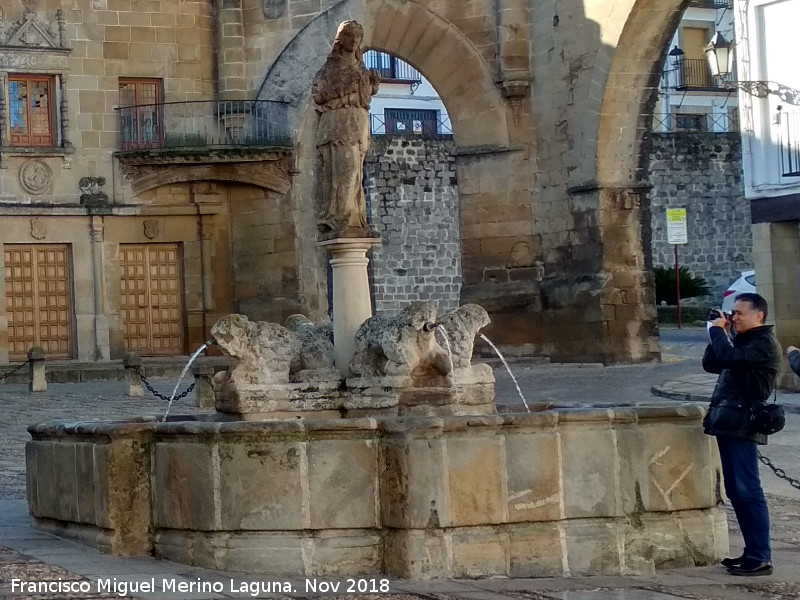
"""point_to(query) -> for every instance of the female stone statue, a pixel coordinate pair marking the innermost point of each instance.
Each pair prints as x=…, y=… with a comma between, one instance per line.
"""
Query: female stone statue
x=342, y=91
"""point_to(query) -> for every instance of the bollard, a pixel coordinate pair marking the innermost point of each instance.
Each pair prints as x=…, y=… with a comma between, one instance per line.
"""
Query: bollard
x=36, y=380
x=132, y=363
x=203, y=390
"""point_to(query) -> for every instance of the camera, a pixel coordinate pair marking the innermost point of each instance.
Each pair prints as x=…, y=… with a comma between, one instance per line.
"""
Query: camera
x=717, y=314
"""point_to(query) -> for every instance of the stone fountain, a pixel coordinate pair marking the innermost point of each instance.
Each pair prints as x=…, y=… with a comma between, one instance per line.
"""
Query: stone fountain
x=367, y=447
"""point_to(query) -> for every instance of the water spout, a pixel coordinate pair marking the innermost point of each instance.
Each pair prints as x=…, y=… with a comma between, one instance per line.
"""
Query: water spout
x=183, y=372
x=514, y=379
x=447, y=344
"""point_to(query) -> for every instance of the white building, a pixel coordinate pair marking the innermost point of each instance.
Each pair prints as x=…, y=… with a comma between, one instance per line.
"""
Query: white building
x=690, y=98
x=406, y=103
x=768, y=78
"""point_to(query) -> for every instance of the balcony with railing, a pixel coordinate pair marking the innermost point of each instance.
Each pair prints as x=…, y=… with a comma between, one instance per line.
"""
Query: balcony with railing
x=411, y=123
x=720, y=122
x=715, y=4
x=391, y=68
x=202, y=126
x=694, y=74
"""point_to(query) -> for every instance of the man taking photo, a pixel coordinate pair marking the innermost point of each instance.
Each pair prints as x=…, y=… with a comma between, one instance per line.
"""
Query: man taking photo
x=748, y=368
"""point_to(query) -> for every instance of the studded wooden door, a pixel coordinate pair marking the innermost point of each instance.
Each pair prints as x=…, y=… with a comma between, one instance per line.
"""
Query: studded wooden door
x=38, y=299
x=151, y=303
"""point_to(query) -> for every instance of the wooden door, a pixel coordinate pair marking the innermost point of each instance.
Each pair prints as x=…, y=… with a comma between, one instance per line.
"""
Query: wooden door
x=38, y=299
x=151, y=302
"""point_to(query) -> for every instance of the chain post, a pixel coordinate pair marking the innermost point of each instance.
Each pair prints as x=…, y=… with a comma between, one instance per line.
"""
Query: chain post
x=36, y=375
x=133, y=365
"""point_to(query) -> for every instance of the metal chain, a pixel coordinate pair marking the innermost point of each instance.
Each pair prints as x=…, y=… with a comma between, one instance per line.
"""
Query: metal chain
x=780, y=473
x=159, y=395
x=5, y=376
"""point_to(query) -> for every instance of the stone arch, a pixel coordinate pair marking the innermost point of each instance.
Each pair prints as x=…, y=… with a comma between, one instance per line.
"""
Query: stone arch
x=629, y=92
x=414, y=33
x=255, y=173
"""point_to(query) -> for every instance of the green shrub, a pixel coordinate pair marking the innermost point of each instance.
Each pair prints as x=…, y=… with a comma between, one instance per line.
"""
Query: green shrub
x=691, y=285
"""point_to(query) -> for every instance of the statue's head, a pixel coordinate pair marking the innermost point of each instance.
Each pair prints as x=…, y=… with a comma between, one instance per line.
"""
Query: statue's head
x=349, y=36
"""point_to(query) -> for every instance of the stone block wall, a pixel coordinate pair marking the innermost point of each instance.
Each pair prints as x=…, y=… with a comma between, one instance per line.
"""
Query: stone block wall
x=702, y=172
x=412, y=192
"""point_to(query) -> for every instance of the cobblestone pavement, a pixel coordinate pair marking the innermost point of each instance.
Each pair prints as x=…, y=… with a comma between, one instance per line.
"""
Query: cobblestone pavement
x=34, y=556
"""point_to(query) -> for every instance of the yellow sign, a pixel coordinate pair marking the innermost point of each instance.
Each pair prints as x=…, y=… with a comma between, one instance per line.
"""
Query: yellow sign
x=676, y=226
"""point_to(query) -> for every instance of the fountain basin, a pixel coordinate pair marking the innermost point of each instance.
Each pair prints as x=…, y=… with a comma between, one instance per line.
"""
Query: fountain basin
x=561, y=492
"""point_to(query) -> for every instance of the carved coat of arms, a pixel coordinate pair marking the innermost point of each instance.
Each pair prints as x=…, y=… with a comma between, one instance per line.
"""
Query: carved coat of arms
x=273, y=8
x=151, y=228
x=38, y=228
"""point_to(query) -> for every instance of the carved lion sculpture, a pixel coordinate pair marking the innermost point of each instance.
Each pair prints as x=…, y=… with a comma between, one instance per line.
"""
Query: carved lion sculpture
x=271, y=353
x=461, y=326
x=316, y=345
x=399, y=345
x=265, y=350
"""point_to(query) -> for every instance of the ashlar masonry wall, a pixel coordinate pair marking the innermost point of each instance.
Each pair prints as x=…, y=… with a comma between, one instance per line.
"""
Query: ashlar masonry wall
x=412, y=193
x=702, y=172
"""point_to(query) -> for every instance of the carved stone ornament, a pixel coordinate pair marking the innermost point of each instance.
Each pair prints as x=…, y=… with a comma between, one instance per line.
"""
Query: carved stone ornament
x=30, y=32
x=38, y=228
x=273, y=8
x=627, y=200
x=35, y=176
x=151, y=228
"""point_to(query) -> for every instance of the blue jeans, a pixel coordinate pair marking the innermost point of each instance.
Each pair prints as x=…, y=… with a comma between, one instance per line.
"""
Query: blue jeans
x=743, y=486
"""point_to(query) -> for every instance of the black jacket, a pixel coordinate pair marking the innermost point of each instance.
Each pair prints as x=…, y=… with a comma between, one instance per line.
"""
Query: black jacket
x=794, y=361
x=747, y=370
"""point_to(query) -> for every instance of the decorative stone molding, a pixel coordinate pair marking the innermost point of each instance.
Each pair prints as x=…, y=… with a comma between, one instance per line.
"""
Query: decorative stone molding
x=96, y=229
x=150, y=227
x=38, y=228
x=91, y=194
x=35, y=176
x=32, y=32
x=626, y=199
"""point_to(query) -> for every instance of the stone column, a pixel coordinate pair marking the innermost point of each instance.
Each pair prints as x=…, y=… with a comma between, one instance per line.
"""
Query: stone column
x=776, y=259
x=101, y=327
x=352, y=302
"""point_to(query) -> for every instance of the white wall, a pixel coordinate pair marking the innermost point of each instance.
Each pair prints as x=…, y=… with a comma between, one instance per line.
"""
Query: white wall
x=766, y=50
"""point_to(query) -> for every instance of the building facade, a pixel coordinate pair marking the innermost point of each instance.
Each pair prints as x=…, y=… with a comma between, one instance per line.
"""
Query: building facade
x=768, y=82
x=157, y=165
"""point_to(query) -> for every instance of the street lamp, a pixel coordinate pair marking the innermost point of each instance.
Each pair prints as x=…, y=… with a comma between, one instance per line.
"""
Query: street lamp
x=720, y=55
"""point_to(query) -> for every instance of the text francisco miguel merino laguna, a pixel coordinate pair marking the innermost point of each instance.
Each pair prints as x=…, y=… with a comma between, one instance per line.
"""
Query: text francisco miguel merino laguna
x=251, y=588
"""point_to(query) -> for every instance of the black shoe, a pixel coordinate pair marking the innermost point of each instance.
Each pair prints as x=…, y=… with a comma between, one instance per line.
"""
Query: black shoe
x=733, y=562
x=751, y=567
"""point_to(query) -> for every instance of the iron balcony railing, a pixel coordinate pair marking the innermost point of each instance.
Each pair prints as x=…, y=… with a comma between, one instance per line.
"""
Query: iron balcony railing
x=203, y=124
x=789, y=143
x=439, y=127
x=696, y=122
x=390, y=67
x=694, y=74
x=715, y=4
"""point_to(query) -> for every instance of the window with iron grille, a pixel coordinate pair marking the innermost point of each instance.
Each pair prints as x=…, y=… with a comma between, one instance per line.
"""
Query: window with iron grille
x=401, y=121
x=691, y=122
x=31, y=115
x=140, y=115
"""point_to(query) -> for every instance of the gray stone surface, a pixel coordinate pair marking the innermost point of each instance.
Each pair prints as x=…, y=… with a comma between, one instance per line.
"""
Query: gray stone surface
x=413, y=204
x=702, y=172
